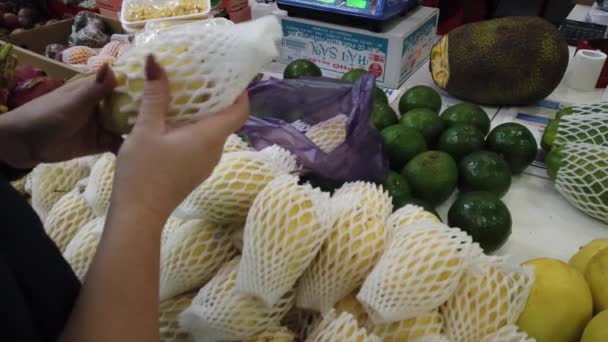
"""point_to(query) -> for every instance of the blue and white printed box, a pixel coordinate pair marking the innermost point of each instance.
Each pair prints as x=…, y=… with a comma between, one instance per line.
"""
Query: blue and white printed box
x=392, y=55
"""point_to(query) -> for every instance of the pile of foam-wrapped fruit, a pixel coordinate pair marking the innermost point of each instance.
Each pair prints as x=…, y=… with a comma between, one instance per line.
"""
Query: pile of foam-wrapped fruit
x=90, y=45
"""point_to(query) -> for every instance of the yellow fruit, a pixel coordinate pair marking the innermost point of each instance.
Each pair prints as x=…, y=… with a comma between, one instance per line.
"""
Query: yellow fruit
x=586, y=252
x=274, y=334
x=597, y=329
x=113, y=118
x=559, y=305
x=351, y=305
x=597, y=277
x=413, y=329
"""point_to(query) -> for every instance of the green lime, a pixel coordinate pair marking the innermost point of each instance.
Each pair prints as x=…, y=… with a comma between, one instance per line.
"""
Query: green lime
x=300, y=68
x=515, y=142
x=380, y=95
x=323, y=183
x=563, y=112
x=484, y=171
x=553, y=162
x=420, y=97
x=483, y=216
x=397, y=187
x=549, y=135
x=422, y=204
x=402, y=144
x=432, y=175
x=383, y=116
x=460, y=140
x=424, y=121
x=354, y=75
x=467, y=113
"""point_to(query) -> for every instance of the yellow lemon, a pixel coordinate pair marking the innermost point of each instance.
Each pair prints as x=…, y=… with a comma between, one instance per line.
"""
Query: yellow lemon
x=586, y=252
x=597, y=329
x=596, y=274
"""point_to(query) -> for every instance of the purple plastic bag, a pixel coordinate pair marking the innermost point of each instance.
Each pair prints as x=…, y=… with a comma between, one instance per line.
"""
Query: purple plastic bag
x=275, y=104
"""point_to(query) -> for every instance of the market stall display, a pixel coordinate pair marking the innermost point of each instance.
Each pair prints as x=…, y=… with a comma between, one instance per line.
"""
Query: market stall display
x=18, y=16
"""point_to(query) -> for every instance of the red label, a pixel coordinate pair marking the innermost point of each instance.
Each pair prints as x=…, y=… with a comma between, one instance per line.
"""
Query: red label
x=376, y=69
x=374, y=57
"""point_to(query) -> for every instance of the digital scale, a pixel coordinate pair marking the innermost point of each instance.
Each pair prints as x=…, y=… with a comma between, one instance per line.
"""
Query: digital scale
x=368, y=14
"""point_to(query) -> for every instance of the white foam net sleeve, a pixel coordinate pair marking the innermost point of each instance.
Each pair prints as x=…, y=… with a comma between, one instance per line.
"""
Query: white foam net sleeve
x=219, y=313
x=169, y=310
x=301, y=322
x=99, y=188
x=419, y=270
x=329, y=134
x=589, y=129
x=427, y=325
x=583, y=178
x=80, y=251
x=486, y=300
x=340, y=327
x=226, y=196
x=234, y=143
x=173, y=223
x=192, y=255
x=594, y=108
x=237, y=235
x=351, y=250
x=284, y=230
x=19, y=185
x=66, y=218
x=432, y=338
x=405, y=216
x=274, y=334
x=49, y=182
x=77, y=54
x=508, y=333
x=208, y=66
x=351, y=305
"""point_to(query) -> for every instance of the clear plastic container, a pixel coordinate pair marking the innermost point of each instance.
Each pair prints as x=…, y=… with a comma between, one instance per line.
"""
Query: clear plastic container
x=161, y=10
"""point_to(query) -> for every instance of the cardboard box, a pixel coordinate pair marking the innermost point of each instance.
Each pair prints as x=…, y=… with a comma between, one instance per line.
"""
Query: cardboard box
x=30, y=45
x=53, y=68
x=392, y=55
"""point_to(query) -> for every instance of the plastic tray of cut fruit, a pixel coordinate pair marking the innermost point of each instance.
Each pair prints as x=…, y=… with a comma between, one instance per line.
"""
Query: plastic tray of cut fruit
x=136, y=13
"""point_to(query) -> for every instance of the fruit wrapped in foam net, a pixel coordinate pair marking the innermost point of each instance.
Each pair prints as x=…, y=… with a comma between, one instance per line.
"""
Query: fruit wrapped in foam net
x=99, y=187
x=340, y=327
x=168, y=319
x=80, y=251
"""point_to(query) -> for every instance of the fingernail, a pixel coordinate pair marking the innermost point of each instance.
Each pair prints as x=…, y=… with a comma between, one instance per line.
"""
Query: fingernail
x=152, y=69
x=102, y=73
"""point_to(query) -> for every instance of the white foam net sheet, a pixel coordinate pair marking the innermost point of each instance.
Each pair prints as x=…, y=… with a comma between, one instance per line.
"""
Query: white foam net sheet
x=219, y=313
x=405, y=216
x=234, y=143
x=508, y=333
x=192, y=255
x=589, y=129
x=351, y=250
x=340, y=327
x=594, y=108
x=208, y=66
x=173, y=223
x=487, y=299
x=583, y=178
x=329, y=134
x=419, y=270
x=66, y=218
x=169, y=310
x=284, y=230
x=226, y=196
x=274, y=334
x=427, y=325
x=99, y=188
x=80, y=251
x=49, y=182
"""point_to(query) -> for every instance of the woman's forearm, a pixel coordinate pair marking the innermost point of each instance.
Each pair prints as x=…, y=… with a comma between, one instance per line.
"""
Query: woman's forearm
x=13, y=149
x=119, y=298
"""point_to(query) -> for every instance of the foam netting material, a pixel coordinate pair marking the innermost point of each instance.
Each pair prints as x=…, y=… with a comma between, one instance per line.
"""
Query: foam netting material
x=191, y=256
x=219, y=313
x=589, y=129
x=426, y=325
x=301, y=322
x=351, y=250
x=77, y=54
x=405, y=216
x=595, y=108
x=67, y=216
x=49, y=182
x=583, y=178
x=274, y=334
x=238, y=232
x=490, y=296
x=169, y=310
x=19, y=185
x=234, y=143
x=284, y=230
x=173, y=223
x=226, y=196
x=419, y=270
x=80, y=251
x=351, y=305
x=329, y=134
x=96, y=62
x=208, y=66
x=99, y=188
x=508, y=333
x=432, y=338
x=115, y=48
x=340, y=327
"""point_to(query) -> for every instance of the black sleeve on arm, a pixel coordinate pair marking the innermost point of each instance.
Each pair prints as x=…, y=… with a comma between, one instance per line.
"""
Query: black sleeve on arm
x=33, y=273
x=11, y=173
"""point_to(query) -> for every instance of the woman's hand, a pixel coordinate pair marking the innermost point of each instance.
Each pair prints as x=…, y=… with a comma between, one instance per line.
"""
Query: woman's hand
x=159, y=165
x=61, y=125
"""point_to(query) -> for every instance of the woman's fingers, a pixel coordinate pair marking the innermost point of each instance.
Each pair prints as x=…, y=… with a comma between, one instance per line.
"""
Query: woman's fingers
x=156, y=98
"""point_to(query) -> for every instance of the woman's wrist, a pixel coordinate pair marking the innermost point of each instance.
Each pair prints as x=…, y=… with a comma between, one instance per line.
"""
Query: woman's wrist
x=14, y=148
